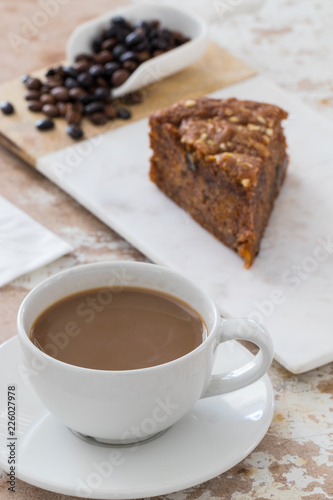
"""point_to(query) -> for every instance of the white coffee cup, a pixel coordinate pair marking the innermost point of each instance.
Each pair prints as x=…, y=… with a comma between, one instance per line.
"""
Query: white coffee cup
x=122, y=407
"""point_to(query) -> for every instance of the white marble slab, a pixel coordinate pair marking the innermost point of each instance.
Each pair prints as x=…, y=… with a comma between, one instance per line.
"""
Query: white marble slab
x=290, y=286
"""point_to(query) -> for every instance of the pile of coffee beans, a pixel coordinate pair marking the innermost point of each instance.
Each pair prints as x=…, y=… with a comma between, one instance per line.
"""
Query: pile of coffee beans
x=67, y=92
x=122, y=47
x=85, y=88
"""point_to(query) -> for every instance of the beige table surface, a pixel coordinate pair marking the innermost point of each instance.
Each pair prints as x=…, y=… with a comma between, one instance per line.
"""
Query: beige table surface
x=289, y=41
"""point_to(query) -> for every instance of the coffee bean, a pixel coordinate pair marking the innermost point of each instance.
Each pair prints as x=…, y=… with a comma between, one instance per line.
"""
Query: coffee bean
x=111, y=67
x=134, y=38
x=50, y=72
x=91, y=91
x=111, y=31
x=85, y=79
x=98, y=118
x=35, y=105
x=103, y=34
x=45, y=89
x=44, y=124
x=128, y=55
x=54, y=81
x=74, y=131
x=62, y=108
x=97, y=70
x=60, y=93
x=96, y=44
x=159, y=44
x=77, y=106
x=122, y=33
x=139, y=30
x=119, y=77
x=164, y=33
x=82, y=57
x=124, y=113
x=76, y=92
x=82, y=66
x=179, y=37
x=155, y=24
x=7, y=108
x=158, y=53
x=103, y=57
x=59, y=71
x=94, y=107
x=133, y=98
x=70, y=72
x=110, y=111
x=73, y=117
x=33, y=84
x=144, y=25
x=152, y=34
x=119, y=20
x=50, y=110
x=109, y=44
x=101, y=82
x=86, y=99
x=47, y=99
x=143, y=46
x=130, y=65
x=144, y=56
x=32, y=95
x=102, y=94
x=119, y=50
x=70, y=83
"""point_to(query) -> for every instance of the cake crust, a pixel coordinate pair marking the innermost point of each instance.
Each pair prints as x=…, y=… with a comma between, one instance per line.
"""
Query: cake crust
x=223, y=161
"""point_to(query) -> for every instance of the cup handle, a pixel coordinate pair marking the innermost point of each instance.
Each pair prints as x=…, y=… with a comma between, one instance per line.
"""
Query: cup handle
x=242, y=329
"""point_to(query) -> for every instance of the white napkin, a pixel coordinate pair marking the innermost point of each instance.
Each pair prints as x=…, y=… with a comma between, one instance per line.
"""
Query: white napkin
x=25, y=244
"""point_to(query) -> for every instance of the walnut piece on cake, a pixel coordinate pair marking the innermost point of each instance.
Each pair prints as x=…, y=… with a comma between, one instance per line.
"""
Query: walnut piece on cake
x=223, y=161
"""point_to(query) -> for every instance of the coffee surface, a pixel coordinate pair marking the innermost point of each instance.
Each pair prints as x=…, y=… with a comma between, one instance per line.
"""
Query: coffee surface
x=112, y=329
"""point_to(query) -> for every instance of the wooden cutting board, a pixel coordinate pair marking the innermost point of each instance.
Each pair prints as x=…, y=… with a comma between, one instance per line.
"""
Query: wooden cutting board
x=215, y=70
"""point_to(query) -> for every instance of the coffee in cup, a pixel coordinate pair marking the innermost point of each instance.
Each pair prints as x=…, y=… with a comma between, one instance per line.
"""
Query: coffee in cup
x=118, y=329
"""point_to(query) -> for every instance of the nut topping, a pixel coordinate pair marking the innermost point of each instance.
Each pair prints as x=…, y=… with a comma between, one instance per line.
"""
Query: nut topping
x=190, y=102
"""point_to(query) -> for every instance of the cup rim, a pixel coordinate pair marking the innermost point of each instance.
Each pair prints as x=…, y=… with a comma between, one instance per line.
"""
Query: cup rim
x=24, y=336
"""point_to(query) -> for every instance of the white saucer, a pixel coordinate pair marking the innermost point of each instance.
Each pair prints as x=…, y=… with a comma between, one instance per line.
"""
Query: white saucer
x=213, y=437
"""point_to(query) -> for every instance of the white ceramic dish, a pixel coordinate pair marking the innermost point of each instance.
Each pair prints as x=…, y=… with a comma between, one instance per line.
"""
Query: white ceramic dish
x=214, y=436
x=159, y=67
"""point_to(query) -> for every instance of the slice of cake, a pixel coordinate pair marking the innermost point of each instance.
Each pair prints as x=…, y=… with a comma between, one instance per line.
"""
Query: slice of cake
x=223, y=161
